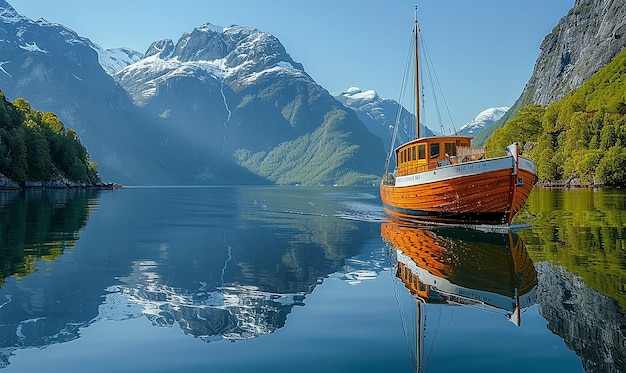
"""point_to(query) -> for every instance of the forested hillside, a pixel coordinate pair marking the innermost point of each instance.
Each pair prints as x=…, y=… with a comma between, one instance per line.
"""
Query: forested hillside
x=36, y=146
x=580, y=138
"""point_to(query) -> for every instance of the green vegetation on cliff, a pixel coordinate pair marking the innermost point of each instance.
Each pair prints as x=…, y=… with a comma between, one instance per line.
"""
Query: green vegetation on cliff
x=36, y=146
x=582, y=137
x=327, y=156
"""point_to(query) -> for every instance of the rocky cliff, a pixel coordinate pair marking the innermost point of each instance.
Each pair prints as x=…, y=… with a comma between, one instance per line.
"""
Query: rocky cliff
x=591, y=34
x=586, y=39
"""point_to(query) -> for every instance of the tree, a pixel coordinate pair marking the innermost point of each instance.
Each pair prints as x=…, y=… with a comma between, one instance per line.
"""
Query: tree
x=612, y=168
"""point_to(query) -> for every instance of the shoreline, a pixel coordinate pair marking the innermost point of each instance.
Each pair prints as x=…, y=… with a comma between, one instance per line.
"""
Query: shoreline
x=6, y=185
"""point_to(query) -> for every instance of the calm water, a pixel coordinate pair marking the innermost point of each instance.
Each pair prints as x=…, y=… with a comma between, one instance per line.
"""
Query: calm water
x=285, y=279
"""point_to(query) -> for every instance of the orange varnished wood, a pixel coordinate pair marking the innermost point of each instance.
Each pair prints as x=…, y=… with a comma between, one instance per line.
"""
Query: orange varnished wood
x=494, y=192
x=497, y=263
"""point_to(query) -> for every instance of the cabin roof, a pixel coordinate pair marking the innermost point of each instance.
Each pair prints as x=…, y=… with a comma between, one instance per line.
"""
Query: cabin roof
x=422, y=140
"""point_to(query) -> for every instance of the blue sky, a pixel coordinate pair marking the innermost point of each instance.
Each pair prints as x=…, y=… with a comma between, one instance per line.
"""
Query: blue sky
x=483, y=50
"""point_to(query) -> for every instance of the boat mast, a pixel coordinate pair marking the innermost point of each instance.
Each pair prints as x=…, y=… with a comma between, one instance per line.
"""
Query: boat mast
x=417, y=86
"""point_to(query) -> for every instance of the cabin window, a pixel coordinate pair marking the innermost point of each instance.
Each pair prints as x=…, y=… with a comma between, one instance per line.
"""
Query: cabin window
x=434, y=150
x=413, y=155
x=450, y=148
x=421, y=151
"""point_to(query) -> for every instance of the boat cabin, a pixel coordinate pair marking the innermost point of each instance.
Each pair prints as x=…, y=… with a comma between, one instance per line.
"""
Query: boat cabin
x=428, y=153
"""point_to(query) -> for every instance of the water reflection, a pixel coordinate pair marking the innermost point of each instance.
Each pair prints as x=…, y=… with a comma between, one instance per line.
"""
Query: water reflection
x=578, y=242
x=218, y=263
x=238, y=260
x=39, y=224
x=464, y=267
x=36, y=228
x=448, y=266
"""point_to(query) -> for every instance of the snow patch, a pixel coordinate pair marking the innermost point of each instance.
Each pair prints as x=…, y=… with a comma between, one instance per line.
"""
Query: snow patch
x=32, y=48
x=356, y=97
x=2, y=68
x=211, y=27
x=114, y=60
x=285, y=64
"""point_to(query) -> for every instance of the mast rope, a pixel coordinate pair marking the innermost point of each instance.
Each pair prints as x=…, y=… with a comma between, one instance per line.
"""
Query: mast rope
x=401, y=97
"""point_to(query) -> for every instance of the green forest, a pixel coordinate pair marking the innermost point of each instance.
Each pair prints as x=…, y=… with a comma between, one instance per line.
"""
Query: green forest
x=580, y=139
x=36, y=146
x=305, y=160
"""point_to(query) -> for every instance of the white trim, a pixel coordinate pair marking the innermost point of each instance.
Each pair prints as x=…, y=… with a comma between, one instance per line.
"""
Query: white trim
x=446, y=287
x=526, y=164
x=455, y=171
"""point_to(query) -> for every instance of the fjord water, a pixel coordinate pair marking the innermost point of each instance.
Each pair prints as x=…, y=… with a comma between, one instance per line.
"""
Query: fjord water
x=282, y=279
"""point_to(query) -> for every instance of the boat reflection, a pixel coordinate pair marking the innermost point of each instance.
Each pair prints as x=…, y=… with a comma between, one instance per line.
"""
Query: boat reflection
x=463, y=267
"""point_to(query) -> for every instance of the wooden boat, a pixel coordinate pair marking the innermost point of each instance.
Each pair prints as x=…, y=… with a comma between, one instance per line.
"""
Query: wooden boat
x=445, y=180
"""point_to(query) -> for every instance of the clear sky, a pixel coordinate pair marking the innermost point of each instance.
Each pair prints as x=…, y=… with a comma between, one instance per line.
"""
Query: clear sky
x=483, y=50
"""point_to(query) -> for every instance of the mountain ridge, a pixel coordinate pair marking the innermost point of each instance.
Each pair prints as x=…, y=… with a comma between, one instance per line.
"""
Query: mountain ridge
x=218, y=93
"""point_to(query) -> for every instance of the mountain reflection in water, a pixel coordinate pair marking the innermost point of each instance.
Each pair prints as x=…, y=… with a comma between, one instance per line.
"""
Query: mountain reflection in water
x=218, y=263
x=158, y=279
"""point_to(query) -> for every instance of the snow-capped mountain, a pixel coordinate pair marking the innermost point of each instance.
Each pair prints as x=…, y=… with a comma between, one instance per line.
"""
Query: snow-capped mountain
x=234, y=54
x=114, y=60
x=483, y=120
x=379, y=115
x=56, y=70
x=236, y=91
x=221, y=105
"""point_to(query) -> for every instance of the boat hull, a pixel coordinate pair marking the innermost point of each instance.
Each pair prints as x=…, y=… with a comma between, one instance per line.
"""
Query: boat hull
x=489, y=191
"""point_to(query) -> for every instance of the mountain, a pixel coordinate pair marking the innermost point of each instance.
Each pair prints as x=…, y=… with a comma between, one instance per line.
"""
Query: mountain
x=380, y=114
x=484, y=119
x=591, y=34
x=220, y=106
x=56, y=70
x=235, y=91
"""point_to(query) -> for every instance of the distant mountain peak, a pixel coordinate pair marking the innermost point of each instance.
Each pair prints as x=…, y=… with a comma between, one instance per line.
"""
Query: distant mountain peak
x=234, y=53
x=211, y=27
x=483, y=120
x=354, y=94
x=163, y=48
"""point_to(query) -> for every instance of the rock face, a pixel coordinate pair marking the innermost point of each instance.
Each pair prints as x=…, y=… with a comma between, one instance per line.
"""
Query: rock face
x=586, y=39
x=591, y=34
